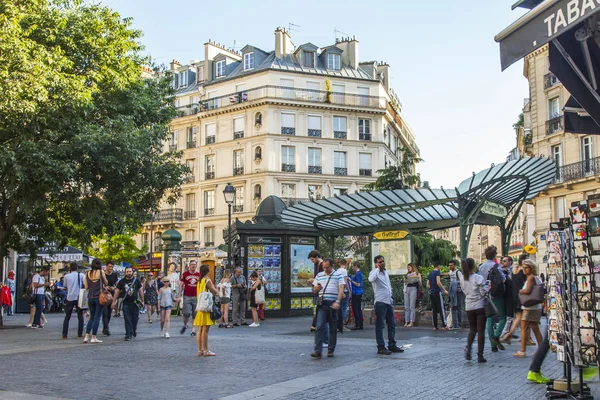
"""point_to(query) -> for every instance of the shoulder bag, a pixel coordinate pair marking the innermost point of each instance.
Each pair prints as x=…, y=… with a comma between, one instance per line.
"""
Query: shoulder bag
x=83, y=294
x=205, y=300
x=490, y=308
x=106, y=297
x=29, y=295
x=241, y=291
x=259, y=294
x=215, y=313
x=535, y=297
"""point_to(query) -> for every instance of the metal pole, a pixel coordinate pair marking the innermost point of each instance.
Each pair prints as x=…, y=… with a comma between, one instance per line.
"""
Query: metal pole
x=151, y=242
x=229, y=238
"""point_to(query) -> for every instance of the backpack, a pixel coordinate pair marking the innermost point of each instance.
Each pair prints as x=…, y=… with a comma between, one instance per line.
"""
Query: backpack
x=496, y=281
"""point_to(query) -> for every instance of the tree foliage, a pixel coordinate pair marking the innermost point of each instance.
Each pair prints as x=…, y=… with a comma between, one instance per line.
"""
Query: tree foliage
x=118, y=248
x=398, y=176
x=342, y=246
x=82, y=130
x=431, y=251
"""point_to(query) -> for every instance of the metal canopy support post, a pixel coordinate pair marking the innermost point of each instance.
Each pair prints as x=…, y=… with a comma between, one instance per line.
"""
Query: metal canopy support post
x=506, y=230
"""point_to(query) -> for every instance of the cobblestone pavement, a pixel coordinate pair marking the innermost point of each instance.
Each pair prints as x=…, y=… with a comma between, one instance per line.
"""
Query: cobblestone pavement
x=269, y=362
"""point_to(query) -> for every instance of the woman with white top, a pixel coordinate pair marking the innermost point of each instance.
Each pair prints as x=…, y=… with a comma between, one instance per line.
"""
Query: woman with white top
x=224, y=288
x=532, y=314
x=474, y=287
x=412, y=283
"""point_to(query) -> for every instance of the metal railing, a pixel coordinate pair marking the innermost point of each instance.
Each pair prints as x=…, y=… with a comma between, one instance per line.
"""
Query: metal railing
x=238, y=171
x=286, y=93
x=340, y=171
x=189, y=179
x=550, y=80
x=528, y=138
x=578, y=170
x=175, y=214
x=191, y=144
x=290, y=201
x=172, y=147
x=191, y=214
x=209, y=244
x=286, y=130
x=288, y=167
x=238, y=135
x=554, y=125
x=364, y=136
x=209, y=211
x=365, y=172
x=340, y=134
x=209, y=175
x=315, y=169
x=210, y=139
x=314, y=132
x=238, y=208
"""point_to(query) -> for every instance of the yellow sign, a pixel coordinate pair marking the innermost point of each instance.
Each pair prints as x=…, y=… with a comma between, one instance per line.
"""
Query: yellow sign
x=391, y=235
x=157, y=255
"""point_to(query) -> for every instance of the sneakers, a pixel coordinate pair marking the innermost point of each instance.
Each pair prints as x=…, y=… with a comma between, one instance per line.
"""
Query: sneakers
x=161, y=334
x=383, y=351
x=253, y=325
x=86, y=339
x=537, y=377
x=167, y=336
x=396, y=349
x=94, y=340
x=325, y=344
x=497, y=343
x=182, y=331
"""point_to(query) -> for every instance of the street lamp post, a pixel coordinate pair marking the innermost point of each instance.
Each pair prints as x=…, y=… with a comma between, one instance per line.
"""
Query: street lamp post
x=229, y=194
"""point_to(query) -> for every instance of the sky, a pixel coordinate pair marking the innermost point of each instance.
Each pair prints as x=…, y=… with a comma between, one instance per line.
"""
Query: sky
x=444, y=62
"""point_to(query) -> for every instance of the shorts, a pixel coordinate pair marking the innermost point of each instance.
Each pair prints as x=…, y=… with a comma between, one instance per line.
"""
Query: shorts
x=189, y=306
x=224, y=300
x=532, y=315
x=165, y=308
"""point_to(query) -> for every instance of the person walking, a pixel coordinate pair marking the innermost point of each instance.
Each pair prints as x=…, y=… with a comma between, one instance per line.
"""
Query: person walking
x=412, y=283
x=151, y=297
x=384, y=309
x=255, y=285
x=40, y=283
x=328, y=286
x=531, y=316
x=475, y=289
x=434, y=284
x=93, y=282
x=238, y=298
x=10, y=282
x=130, y=290
x=112, y=278
x=203, y=320
x=457, y=297
x=261, y=306
x=73, y=283
x=224, y=288
x=165, y=303
x=315, y=257
x=518, y=280
x=492, y=272
x=357, y=292
x=188, y=287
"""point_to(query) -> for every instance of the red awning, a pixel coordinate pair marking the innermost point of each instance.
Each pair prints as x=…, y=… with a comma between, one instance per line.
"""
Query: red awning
x=156, y=263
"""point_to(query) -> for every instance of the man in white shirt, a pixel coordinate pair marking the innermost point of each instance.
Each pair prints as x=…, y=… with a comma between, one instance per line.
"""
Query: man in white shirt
x=384, y=309
x=39, y=285
x=73, y=282
x=343, y=264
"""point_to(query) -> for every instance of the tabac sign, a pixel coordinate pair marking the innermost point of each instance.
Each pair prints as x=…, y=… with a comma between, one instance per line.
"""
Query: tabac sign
x=390, y=235
x=495, y=209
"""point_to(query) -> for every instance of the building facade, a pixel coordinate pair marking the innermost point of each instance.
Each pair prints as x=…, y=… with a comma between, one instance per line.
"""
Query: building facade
x=577, y=156
x=300, y=122
x=481, y=237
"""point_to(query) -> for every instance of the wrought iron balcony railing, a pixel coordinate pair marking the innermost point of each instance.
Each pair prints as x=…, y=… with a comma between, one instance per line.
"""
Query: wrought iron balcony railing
x=191, y=144
x=578, y=170
x=238, y=208
x=238, y=171
x=209, y=244
x=288, y=167
x=340, y=171
x=365, y=172
x=189, y=179
x=209, y=211
x=189, y=109
x=340, y=134
x=191, y=214
x=210, y=140
x=315, y=169
x=554, y=125
x=364, y=136
x=550, y=80
x=238, y=135
x=172, y=147
x=314, y=132
x=168, y=214
x=286, y=130
x=209, y=175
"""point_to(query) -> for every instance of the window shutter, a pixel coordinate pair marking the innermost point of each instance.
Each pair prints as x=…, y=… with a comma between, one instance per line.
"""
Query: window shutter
x=314, y=122
x=211, y=130
x=364, y=161
x=238, y=124
x=287, y=120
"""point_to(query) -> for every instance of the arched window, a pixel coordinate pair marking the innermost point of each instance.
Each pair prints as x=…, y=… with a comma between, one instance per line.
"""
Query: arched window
x=258, y=153
x=257, y=192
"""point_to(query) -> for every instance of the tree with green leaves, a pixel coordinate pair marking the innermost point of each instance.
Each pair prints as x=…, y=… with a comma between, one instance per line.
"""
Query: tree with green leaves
x=118, y=248
x=431, y=251
x=82, y=128
x=398, y=176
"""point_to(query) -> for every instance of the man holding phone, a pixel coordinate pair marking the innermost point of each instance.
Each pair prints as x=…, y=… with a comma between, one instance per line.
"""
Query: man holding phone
x=328, y=286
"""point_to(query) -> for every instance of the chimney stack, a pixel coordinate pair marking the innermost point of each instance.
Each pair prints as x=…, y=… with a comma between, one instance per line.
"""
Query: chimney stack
x=175, y=65
x=349, y=46
x=283, y=43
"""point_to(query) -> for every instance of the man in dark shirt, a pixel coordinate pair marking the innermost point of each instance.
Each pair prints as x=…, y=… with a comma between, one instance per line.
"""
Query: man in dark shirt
x=434, y=284
x=130, y=289
x=112, y=278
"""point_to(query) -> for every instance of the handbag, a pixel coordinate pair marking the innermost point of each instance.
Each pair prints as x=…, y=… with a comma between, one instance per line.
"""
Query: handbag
x=205, y=300
x=106, y=297
x=29, y=295
x=534, y=298
x=259, y=294
x=490, y=307
x=215, y=313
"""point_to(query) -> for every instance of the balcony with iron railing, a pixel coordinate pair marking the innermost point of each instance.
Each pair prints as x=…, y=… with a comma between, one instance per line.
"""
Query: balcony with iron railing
x=238, y=135
x=550, y=80
x=364, y=136
x=365, y=172
x=209, y=244
x=314, y=132
x=189, y=179
x=169, y=214
x=209, y=212
x=288, y=167
x=190, y=214
x=340, y=171
x=209, y=175
x=172, y=147
x=315, y=169
x=579, y=170
x=189, y=109
x=210, y=140
x=191, y=144
x=283, y=93
x=554, y=125
x=238, y=208
x=286, y=130
x=238, y=171
x=340, y=134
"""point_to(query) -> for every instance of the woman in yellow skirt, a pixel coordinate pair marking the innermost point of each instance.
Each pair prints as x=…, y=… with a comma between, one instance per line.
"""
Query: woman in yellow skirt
x=202, y=320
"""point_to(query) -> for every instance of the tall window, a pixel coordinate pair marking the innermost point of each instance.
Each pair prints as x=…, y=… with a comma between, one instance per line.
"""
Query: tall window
x=238, y=162
x=190, y=164
x=364, y=129
x=190, y=206
x=339, y=163
x=333, y=61
x=553, y=108
x=211, y=132
x=587, y=153
x=145, y=239
x=309, y=59
x=257, y=192
x=314, y=126
x=220, y=70
x=248, y=61
x=209, y=167
x=340, y=191
x=287, y=88
x=191, y=136
x=183, y=78
x=363, y=96
x=364, y=164
x=314, y=161
x=560, y=208
x=288, y=124
x=209, y=202
x=209, y=236
x=238, y=128
x=288, y=190
x=557, y=155
x=200, y=74
x=288, y=159
x=339, y=95
x=339, y=127
x=315, y=192
x=189, y=235
x=238, y=200
x=173, y=141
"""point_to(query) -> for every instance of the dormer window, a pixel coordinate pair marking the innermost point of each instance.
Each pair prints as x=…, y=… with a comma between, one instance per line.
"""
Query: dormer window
x=309, y=59
x=220, y=70
x=333, y=61
x=183, y=79
x=248, y=61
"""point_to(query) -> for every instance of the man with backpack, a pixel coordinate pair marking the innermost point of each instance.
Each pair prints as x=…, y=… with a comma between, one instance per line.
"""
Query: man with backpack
x=457, y=297
x=492, y=272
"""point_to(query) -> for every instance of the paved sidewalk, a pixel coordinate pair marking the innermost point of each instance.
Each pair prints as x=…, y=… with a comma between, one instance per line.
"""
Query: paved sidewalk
x=269, y=362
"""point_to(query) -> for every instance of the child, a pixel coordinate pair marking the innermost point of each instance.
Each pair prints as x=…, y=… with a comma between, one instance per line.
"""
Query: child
x=165, y=302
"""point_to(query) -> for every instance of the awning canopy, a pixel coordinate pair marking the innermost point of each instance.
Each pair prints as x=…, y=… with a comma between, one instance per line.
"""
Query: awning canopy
x=491, y=197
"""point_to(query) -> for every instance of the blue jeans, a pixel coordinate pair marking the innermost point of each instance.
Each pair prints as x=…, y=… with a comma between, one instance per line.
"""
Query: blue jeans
x=131, y=314
x=457, y=310
x=410, y=303
x=39, y=307
x=345, y=305
x=326, y=321
x=385, y=313
x=95, y=316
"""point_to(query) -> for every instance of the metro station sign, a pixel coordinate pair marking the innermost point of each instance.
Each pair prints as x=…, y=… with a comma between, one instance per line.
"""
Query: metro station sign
x=495, y=209
x=391, y=235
